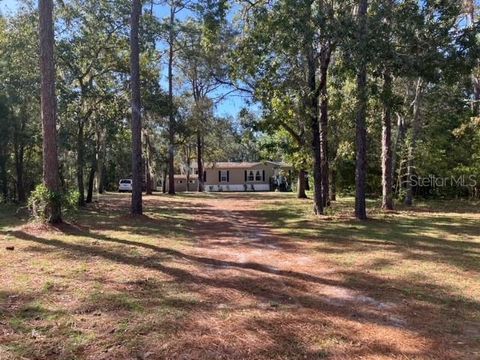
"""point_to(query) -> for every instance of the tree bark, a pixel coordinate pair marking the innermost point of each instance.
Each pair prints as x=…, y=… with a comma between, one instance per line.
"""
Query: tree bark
x=148, y=169
x=399, y=138
x=476, y=95
x=310, y=104
x=49, y=108
x=301, y=185
x=413, y=142
x=360, y=121
x=136, y=207
x=91, y=181
x=171, y=116
x=387, y=169
x=80, y=164
x=471, y=10
x=312, y=110
x=333, y=172
x=164, y=182
x=100, y=161
x=149, y=185
x=201, y=180
x=325, y=62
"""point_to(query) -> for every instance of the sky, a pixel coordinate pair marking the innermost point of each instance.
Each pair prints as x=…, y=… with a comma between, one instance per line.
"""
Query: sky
x=229, y=107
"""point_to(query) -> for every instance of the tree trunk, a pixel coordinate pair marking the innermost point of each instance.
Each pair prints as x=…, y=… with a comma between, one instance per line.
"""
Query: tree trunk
x=413, y=142
x=325, y=62
x=310, y=106
x=360, y=121
x=101, y=162
x=301, y=185
x=136, y=208
x=48, y=108
x=387, y=170
x=149, y=178
x=476, y=70
x=61, y=171
x=201, y=179
x=164, y=182
x=80, y=164
x=399, y=138
x=312, y=110
x=476, y=95
x=148, y=169
x=171, y=116
x=91, y=181
x=333, y=172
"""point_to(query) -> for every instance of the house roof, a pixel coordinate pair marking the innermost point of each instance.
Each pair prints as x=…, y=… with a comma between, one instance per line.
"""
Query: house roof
x=242, y=165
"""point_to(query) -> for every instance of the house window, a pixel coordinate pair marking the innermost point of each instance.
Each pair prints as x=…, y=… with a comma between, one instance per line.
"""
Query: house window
x=258, y=176
x=224, y=176
x=251, y=176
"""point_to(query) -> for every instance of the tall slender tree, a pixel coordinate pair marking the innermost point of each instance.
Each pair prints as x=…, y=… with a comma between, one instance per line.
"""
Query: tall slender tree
x=360, y=121
x=412, y=146
x=387, y=153
x=136, y=109
x=175, y=7
x=311, y=108
x=325, y=57
x=471, y=8
x=49, y=109
x=387, y=95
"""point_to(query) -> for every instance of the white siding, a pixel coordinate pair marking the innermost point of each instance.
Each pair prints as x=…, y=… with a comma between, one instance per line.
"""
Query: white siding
x=237, y=187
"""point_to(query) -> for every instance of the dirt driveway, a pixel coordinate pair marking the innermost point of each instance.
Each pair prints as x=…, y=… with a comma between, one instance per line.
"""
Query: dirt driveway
x=274, y=296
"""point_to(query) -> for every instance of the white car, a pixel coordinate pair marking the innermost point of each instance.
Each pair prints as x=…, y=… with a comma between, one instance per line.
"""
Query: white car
x=125, y=185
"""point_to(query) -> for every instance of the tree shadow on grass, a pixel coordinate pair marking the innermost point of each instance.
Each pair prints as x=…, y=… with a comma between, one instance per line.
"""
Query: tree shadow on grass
x=413, y=238
x=149, y=313
x=291, y=292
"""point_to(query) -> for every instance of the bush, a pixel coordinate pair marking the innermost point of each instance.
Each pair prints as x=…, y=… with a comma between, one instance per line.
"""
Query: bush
x=41, y=199
x=70, y=200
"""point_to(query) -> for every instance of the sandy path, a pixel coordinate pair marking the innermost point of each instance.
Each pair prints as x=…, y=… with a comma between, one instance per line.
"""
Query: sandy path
x=280, y=297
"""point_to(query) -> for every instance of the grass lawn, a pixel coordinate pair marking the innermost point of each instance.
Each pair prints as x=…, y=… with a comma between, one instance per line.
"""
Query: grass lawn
x=242, y=276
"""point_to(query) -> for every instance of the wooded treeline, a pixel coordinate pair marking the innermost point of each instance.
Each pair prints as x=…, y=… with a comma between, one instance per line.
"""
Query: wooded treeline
x=363, y=97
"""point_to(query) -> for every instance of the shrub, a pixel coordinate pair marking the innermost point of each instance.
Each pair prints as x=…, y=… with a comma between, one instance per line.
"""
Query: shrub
x=70, y=200
x=42, y=198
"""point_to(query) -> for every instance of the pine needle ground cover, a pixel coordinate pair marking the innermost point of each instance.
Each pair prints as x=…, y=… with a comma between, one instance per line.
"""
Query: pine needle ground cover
x=241, y=276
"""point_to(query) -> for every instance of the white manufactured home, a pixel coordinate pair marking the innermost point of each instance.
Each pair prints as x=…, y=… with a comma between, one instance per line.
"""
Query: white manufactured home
x=245, y=176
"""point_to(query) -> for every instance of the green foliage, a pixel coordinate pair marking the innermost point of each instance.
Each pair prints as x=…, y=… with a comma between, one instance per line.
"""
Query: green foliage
x=42, y=199
x=259, y=48
x=70, y=200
